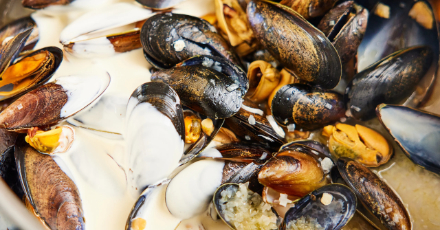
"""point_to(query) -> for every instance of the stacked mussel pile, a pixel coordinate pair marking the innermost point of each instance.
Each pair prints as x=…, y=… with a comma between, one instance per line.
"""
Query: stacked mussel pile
x=283, y=91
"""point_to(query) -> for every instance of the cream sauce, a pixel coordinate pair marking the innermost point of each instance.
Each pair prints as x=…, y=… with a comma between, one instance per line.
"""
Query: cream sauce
x=190, y=191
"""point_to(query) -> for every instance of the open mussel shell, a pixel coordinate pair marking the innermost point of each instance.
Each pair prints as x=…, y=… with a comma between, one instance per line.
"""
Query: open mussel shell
x=54, y=101
x=154, y=133
x=9, y=87
x=159, y=4
x=295, y=43
x=344, y=30
x=17, y=26
x=374, y=194
x=261, y=131
x=168, y=39
x=52, y=194
x=385, y=36
x=8, y=168
x=330, y=212
x=306, y=107
x=391, y=80
x=150, y=208
x=417, y=133
x=10, y=50
x=206, y=87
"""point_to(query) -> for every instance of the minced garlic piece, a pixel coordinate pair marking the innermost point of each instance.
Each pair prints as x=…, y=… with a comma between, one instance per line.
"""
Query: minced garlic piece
x=382, y=10
x=326, y=198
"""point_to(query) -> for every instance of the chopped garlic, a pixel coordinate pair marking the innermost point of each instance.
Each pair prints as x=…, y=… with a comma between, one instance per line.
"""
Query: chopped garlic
x=275, y=126
x=253, y=110
x=179, y=45
x=291, y=127
x=326, y=199
x=326, y=165
x=284, y=200
x=251, y=120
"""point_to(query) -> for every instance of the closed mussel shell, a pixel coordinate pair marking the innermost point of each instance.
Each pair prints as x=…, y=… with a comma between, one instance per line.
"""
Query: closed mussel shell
x=309, y=8
x=205, y=88
x=391, y=80
x=306, y=107
x=375, y=194
x=168, y=39
x=300, y=47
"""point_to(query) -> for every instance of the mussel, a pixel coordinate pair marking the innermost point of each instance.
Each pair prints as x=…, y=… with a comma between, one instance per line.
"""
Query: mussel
x=329, y=208
x=159, y=4
x=249, y=124
x=417, y=132
x=209, y=85
x=17, y=26
x=306, y=107
x=309, y=8
x=391, y=80
x=293, y=173
x=358, y=143
x=240, y=208
x=40, y=4
x=54, y=101
x=10, y=50
x=52, y=194
x=375, y=194
x=30, y=72
x=155, y=133
x=300, y=47
x=168, y=39
x=150, y=210
x=345, y=26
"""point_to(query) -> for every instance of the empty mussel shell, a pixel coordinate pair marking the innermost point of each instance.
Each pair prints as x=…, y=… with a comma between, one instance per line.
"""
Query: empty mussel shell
x=375, y=194
x=54, y=101
x=10, y=50
x=52, y=194
x=31, y=71
x=306, y=107
x=205, y=85
x=391, y=80
x=329, y=207
x=154, y=133
x=417, y=132
x=295, y=43
x=168, y=39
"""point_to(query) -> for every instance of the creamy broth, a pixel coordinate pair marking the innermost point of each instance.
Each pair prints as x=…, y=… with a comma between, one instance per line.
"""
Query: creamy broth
x=98, y=163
